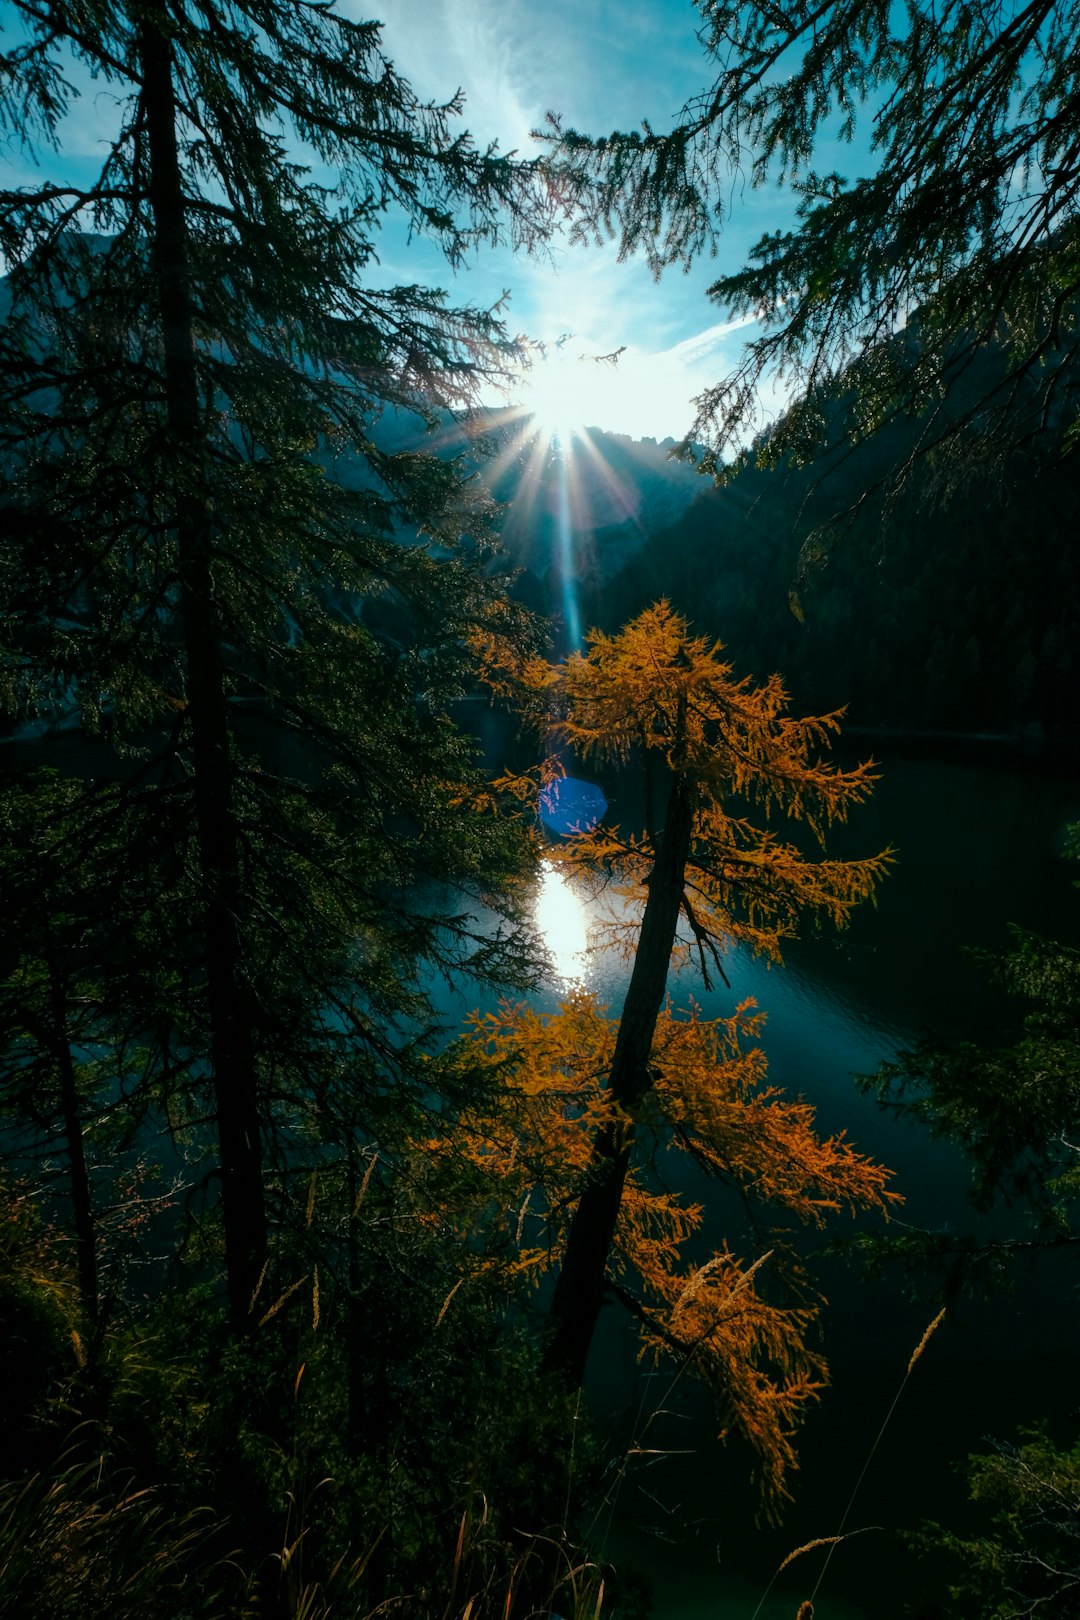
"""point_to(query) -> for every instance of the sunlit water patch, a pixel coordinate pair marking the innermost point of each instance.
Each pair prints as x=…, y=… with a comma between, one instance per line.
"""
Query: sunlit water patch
x=978, y=849
x=562, y=924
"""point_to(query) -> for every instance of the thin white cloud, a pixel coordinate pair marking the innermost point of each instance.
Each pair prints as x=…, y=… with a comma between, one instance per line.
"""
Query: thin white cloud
x=704, y=344
x=600, y=63
x=441, y=46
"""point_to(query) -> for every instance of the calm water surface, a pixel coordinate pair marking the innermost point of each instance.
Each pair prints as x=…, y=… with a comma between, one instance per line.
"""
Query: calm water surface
x=977, y=848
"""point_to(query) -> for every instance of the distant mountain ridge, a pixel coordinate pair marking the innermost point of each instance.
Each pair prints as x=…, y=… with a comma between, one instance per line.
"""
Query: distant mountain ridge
x=588, y=507
x=582, y=510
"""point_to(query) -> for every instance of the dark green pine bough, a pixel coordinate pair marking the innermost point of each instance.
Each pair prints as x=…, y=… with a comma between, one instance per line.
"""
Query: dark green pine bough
x=259, y=614
x=961, y=217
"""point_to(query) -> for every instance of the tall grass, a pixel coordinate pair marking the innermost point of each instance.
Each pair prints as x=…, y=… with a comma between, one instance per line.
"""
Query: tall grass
x=78, y=1542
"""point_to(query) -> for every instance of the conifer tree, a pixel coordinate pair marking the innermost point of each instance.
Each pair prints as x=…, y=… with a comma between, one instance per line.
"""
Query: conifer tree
x=744, y=1324
x=962, y=214
x=1013, y=1109
x=711, y=750
x=200, y=522
x=87, y=976
x=42, y=1080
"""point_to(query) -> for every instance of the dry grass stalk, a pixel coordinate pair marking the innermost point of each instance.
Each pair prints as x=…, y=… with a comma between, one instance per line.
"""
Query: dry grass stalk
x=446, y=1301
x=697, y=1281
x=924, y=1341
x=278, y=1303
x=821, y=1541
x=694, y=1286
x=258, y=1287
x=368, y=1173
x=455, y=1572
x=522, y=1212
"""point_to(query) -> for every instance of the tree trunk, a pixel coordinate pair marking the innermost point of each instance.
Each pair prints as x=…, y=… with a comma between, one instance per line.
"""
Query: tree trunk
x=368, y=1415
x=579, y=1291
x=232, y=1056
x=81, y=1197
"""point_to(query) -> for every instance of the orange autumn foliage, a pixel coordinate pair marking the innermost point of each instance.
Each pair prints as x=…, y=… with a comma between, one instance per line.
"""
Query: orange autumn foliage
x=721, y=762
x=533, y=1144
x=658, y=699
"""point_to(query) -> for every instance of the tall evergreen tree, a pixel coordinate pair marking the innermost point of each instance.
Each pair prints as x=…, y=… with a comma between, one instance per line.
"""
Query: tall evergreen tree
x=211, y=560
x=1013, y=1109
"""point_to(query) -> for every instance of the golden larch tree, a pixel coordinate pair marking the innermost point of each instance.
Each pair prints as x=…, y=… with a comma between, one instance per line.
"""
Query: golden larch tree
x=722, y=761
x=536, y=1144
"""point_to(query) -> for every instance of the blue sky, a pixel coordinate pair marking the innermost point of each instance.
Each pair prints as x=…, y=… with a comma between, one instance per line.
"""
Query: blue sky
x=601, y=64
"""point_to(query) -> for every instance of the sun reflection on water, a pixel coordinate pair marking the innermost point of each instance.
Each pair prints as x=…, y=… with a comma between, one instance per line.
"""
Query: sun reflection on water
x=562, y=925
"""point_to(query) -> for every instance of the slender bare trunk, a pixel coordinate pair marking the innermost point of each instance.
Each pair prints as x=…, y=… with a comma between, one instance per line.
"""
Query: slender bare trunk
x=579, y=1291
x=78, y=1171
x=229, y=1002
x=368, y=1420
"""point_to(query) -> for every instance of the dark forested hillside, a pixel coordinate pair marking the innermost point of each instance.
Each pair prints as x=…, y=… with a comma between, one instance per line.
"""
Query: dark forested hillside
x=580, y=510
x=590, y=505
x=610, y=492
x=954, y=608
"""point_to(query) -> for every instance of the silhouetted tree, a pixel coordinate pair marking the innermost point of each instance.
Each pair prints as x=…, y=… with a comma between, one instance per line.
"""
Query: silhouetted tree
x=198, y=520
x=709, y=748
x=964, y=215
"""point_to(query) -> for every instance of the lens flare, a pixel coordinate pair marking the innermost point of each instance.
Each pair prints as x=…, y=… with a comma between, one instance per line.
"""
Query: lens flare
x=566, y=487
x=565, y=561
x=569, y=805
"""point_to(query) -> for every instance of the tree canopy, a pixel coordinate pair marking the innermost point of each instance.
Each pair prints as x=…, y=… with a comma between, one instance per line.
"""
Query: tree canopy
x=717, y=757
x=723, y=756
x=212, y=561
x=961, y=218
x=237, y=592
x=1012, y=1108
x=742, y=1320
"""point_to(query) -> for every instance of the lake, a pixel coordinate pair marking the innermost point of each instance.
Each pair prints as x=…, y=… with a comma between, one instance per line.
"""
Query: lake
x=978, y=846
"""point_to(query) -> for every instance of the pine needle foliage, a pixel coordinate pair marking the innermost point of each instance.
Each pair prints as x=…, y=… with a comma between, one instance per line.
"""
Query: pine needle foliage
x=1013, y=1109
x=727, y=1318
x=1027, y=1560
x=718, y=759
x=955, y=209
x=668, y=703
x=228, y=554
x=733, y=1320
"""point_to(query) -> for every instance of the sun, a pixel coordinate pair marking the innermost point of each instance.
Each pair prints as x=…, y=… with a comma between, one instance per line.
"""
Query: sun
x=565, y=485
x=549, y=400
x=564, y=392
